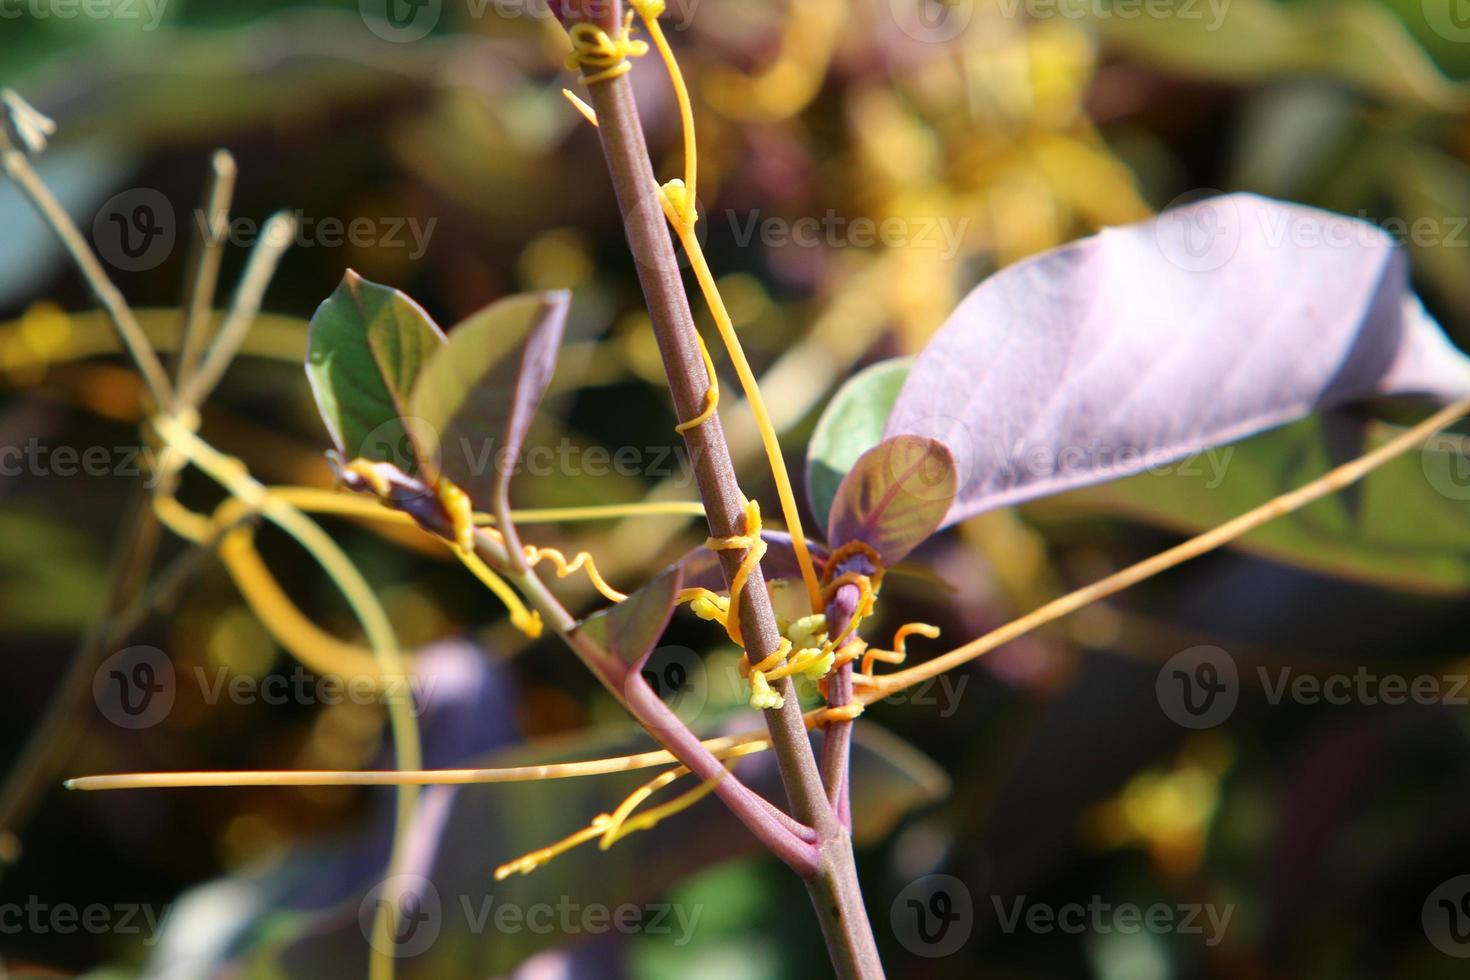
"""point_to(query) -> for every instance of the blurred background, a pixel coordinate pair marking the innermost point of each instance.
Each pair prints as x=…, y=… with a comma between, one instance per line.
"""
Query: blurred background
x=1052, y=811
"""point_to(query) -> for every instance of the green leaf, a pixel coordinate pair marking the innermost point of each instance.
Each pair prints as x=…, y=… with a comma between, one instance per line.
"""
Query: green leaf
x=1402, y=526
x=1356, y=42
x=476, y=396
x=630, y=629
x=365, y=349
x=851, y=424
x=895, y=496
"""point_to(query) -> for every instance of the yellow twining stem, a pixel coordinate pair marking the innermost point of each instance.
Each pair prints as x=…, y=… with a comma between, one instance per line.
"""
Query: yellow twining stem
x=535, y=555
x=607, y=57
x=461, y=513
x=649, y=11
x=754, y=547
x=528, y=621
x=900, y=639
x=613, y=827
x=462, y=519
x=588, y=113
x=530, y=862
x=814, y=661
x=678, y=199
x=625, y=822
x=317, y=650
x=711, y=394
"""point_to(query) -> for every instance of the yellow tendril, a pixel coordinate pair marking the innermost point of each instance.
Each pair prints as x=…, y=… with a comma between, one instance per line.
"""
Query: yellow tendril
x=762, y=695
x=582, y=560
x=711, y=394
x=461, y=513
x=588, y=113
x=530, y=862
x=754, y=547
x=593, y=48
x=528, y=621
x=867, y=599
x=678, y=200
x=708, y=606
x=613, y=827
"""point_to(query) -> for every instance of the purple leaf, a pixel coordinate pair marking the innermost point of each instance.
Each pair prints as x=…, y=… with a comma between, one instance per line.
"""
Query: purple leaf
x=630, y=629
x=1152, y=341
x=475, y=396
x=894, y=497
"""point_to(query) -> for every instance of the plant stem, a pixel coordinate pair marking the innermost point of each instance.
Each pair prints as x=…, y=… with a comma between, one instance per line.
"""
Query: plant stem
x=17, y=166
x=205, y=261
x=833, y=887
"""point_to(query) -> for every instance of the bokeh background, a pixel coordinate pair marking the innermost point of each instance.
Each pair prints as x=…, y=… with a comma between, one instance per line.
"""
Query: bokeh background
x=1290, y=836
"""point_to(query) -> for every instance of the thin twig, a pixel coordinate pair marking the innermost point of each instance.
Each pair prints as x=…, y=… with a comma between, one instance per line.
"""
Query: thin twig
x=198, y=305
x=17, y=167
x=275, y=238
